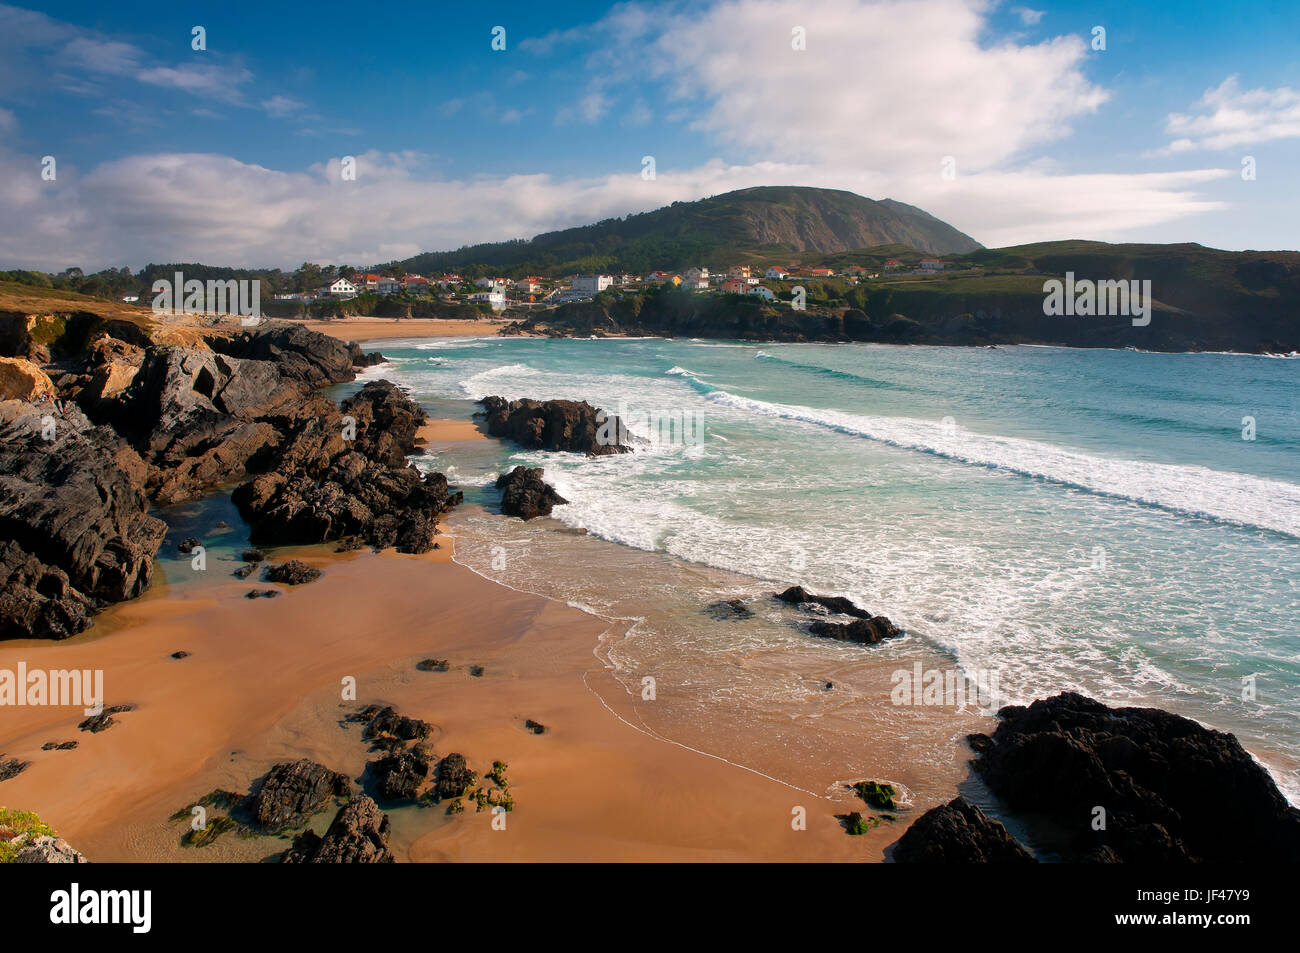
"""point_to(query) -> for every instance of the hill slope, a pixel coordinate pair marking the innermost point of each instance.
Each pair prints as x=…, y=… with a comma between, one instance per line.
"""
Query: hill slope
x=735, y=227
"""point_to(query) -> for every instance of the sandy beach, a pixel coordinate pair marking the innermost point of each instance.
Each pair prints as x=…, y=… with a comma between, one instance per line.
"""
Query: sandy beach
x=375, y=329
x=263, y=681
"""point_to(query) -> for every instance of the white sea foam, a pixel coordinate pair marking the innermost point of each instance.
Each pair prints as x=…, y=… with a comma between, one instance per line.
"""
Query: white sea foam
x=1196, y=491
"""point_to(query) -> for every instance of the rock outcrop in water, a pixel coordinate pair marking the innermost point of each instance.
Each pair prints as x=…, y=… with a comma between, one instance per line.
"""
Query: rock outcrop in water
x=863, y=628
x=569, y=425
x=958, y=833
x=1171, y=789
x=525, y=495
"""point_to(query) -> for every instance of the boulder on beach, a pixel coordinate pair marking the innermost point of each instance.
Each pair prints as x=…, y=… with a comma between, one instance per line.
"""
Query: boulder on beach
x=398, y=777
x=357, y=835
x=797, y=595
x=1168, y=788
x=861, y=631
x=525, y=495
x=569, y=425
x=292, y=791
x=958, y=833
x=454, y=777
x=295, y=572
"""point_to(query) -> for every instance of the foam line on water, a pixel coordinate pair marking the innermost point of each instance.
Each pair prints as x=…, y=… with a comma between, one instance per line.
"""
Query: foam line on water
x=1228, y=497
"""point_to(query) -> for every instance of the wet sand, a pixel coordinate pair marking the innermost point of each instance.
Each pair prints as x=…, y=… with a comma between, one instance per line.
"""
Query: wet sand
x=263, y=685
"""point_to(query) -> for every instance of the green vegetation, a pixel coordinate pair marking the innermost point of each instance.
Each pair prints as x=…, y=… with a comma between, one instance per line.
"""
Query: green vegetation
x=856, y=825
x=877, y=794
x=13, y=825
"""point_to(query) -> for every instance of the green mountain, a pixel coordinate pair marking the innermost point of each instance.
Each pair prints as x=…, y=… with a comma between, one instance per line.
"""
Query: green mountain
x=750, y=226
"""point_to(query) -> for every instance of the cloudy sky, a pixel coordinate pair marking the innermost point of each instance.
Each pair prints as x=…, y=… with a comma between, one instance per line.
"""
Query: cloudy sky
x=123, y=144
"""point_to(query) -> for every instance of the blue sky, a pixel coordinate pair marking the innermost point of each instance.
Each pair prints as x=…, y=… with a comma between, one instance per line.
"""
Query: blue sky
x=231, y=154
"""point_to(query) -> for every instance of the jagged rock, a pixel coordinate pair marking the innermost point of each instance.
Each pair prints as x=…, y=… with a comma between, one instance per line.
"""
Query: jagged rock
x=555, y=425
x=454, y=777
x=326, y=488
x=862, y=631
x=188, y=545
x=525, y=495
x=294, y=791
x=399, y=776
x=432, y=665
x=180, y=655
x=726, y=610
x=45, y=849
x=358, y=835
x=12, y=768
x=300, y=353
x=797, y=595
x=295, y=572
x=1172, y=789
x=362, y=359
x=536, y=727
x=104, y=720
x=20, y=379
x=386, y=720
x=252, y=556
x=261, y=593
x=958, y=833
x=58, y=746
x=76, y=535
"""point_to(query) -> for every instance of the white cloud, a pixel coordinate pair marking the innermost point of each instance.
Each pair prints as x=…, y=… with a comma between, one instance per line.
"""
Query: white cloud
x=212, y=208
x=209, y=80
x=281, y=106
x=1027, y=16
x=1230, y=117
x=895, y=84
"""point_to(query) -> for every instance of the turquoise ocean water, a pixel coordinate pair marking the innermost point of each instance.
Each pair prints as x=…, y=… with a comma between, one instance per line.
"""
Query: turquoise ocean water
x=1068, y=519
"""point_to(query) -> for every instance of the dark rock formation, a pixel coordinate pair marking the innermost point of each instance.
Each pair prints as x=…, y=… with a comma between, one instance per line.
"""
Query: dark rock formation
x=300, y=353
x=432, y=665
x=1171, y=789
x=58, y=746
x=958, y=833
x=261, y=593
x=325, y=487
x=76, y=535
x=252, y=556
x=862, y=631
x=797, y=595
x=386, y=721
x=295, y=572
x=399, y=776
x=188, y=545
x=357, y=835
x=454, y=777
x=726, y=610
x=292, y=792
x=525, y=495
x=104, y=720
x=556, y=425
x=12, y=768
x=536, y=727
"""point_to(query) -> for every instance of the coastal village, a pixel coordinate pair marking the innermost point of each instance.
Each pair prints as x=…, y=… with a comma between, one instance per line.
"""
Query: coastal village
x=498, y=293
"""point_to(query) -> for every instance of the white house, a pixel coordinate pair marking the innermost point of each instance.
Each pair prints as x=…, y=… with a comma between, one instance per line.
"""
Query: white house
x=491, y=284
x=387, y=286
x=591, y=284
x=496, y=299
x=776, y=271
x=697, y=273
x=341, y=288
x=931, y=264
x=696, y=284
x=765, y=293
